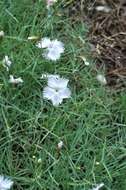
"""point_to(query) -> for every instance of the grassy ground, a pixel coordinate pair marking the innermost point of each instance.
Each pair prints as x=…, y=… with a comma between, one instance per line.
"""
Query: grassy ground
x=92, y=124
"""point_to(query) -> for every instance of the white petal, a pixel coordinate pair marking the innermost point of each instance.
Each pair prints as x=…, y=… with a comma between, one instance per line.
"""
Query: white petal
x=51, y=94
x=5, y=183
x=65, y=93
x=59, y=46
x=53, y=76
x=1, y=33
x=60, y=144
x=43, y=76
x=101, y=79
x=15, y=80
x=56, y=100
x=48, y=93
x=44, y=43
x=98, y=186
x=50, y=2
x=6, y=62
x=51, y=54
x=85, y=61
x=57, y=83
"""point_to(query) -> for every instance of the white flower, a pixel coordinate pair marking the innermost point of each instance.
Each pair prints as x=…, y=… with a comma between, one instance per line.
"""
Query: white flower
x=56, y=96
x=60, y=144
x=5, y=183
x=50, y=2
x=6, y=62
x=56, y=90
x=98, y=186
x=53, y=49
x=51, y=54
x=101, y=79
x=1, y=34
x=15, y=80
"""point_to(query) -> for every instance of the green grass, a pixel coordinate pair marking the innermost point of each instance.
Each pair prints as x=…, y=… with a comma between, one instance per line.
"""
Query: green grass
x=92, y=124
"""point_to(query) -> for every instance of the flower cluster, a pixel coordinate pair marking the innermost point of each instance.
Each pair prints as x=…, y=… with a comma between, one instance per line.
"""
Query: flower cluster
x=7, y=64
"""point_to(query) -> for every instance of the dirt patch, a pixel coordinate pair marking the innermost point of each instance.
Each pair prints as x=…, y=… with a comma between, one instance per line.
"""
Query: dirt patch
x=107, y=34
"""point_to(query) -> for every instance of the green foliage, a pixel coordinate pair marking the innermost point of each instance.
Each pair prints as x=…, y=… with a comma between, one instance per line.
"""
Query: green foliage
x=92, y=123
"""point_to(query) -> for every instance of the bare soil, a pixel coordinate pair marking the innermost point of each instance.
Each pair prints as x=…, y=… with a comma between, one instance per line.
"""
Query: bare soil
x=107, y=34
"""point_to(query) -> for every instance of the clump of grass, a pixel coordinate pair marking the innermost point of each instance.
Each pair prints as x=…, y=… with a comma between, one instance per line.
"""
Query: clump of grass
x=91, y=124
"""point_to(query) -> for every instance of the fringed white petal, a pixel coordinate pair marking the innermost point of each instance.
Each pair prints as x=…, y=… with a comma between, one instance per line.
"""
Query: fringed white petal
x=57, y=83
x=65, y=93
x=44, y=43
x=5, y=183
